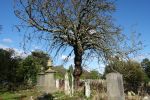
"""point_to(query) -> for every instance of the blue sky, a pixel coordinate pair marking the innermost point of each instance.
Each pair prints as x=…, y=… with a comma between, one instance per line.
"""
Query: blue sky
x=131, y=15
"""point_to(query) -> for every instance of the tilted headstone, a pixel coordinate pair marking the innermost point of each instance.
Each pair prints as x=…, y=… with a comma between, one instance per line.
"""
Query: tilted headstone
x=87, y=89
x=67, y=86
x=115, y=89
x=57, y=83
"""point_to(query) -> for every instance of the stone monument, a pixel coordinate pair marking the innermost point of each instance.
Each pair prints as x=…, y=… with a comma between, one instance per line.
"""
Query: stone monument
x=72, y=85
x=57, y=83
x=40, y=81
x=115, y=89
x=50, y=85
x=46, y=80
x=87, y=89
x=67, y=85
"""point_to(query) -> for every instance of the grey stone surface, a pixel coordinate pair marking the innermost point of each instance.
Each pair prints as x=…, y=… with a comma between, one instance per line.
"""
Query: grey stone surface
x=49, y=83
x=115, y=89
x=40, y=81
x=72, y=85
x=57, y=83
x=146, y=98
x=46, y=82
x=87, y=89
x=67, y=86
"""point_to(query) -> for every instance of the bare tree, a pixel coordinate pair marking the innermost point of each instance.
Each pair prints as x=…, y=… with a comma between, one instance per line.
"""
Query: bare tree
x=84, y=25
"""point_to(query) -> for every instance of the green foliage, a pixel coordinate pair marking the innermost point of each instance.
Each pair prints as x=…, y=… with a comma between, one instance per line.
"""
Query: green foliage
x=131, y=70
x=60, y=72
x=19, y=95
x=42, y=58
x=146, y=66
x=9, y=65
x=32, y=65
x=16, y=72
x=93, y=74
x=29, y=69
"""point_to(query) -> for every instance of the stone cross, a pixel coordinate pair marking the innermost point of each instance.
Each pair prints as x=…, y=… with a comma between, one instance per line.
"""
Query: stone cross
x=115, y=89
x=67, y=86
x=87, y=89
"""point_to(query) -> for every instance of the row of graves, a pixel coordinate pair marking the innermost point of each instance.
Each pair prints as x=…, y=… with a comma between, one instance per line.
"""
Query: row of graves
x=109, y=89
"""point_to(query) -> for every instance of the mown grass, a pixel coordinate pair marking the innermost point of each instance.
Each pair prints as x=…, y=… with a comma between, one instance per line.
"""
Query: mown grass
x=26, y=95
x=19, y=95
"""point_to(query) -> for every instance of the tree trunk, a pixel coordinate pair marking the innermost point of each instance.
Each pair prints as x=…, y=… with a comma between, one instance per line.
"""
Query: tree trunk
x=78, y=68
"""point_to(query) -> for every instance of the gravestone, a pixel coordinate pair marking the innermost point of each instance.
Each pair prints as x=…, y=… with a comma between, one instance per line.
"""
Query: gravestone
x=40, y=81
x=67, y=86
x=57, y=83
x=115, y=89
x=87, y=89
x=72, y=85
x=50, y=85
x=46, y=81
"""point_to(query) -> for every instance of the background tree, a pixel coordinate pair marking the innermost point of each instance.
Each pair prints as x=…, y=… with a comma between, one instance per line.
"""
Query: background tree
x=95, y=74
x=29, y=70
x=146, y=66
x=41, y=58
x=132, y=72
x=16, y=72
x=84, y=25
x=9, y=65
x=32, y=65
x=60, y=71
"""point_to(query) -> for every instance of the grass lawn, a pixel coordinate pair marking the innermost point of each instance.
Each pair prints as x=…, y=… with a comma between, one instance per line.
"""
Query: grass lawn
x=26, y=95
x=19, y=95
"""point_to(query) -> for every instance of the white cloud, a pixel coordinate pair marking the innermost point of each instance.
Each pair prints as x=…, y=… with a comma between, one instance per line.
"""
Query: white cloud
x=18, y=52
x=7, y=40
x=21, y=53
x=63, y=57
x=139, y=58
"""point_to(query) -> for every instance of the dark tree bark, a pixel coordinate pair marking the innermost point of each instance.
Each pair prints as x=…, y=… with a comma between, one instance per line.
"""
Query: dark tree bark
x=77, y=61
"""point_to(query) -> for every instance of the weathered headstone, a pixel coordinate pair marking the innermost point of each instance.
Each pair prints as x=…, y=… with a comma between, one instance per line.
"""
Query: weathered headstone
x=57, y=83
x=87, y=89
x=46, y=81
x=50, y=81
x=40, y=81
x=67, y=86
x=115, y=89
x=72, y=85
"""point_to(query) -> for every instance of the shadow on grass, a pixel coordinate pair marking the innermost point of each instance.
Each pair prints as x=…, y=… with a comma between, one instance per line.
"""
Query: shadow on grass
x=46, y=96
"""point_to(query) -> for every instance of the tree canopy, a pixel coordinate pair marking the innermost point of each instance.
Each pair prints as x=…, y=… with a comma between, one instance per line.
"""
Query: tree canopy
x=146, y=66
x=16, y=72
x=41, y=58
x=9, y=65
x=132, y=72
x=84, y=25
